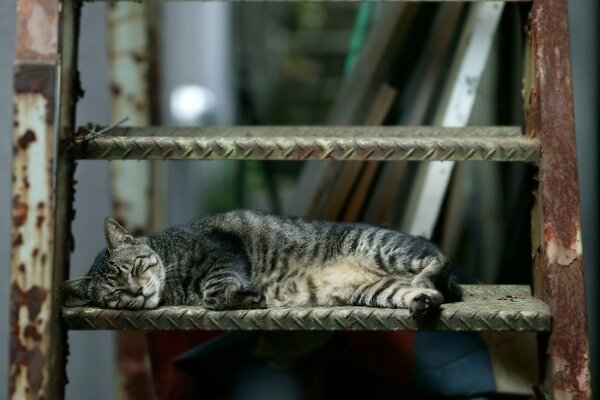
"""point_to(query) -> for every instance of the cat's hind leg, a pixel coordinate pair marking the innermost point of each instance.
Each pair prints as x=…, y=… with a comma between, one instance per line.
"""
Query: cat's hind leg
x=433, y=286
x=436, y=274
x=397, y=292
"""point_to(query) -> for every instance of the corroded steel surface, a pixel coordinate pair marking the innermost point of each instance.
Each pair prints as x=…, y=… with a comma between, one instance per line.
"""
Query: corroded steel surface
x=558, y=265
x=348, y=132
x=37, y=31
x=485, y=308
x=32, y=251
x=32, y=231
x=312, y=143
x=38, y=240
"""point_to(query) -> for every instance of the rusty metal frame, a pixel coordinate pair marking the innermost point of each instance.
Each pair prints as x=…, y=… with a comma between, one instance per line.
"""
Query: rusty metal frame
x=485, y=308
x=556, y=240
x=45, y=91
x=311, y=143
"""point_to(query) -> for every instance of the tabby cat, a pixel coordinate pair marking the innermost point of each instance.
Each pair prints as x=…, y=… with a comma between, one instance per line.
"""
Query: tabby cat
x=245, y=259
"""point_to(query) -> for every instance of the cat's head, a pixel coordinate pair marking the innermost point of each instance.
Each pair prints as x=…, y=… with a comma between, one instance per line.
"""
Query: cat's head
x=128, y=274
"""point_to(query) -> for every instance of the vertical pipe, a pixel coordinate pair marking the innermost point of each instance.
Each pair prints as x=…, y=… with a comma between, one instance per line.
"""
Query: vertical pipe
x=133, y=186
x=64, y=185
x=44, y=104
x=556, y=242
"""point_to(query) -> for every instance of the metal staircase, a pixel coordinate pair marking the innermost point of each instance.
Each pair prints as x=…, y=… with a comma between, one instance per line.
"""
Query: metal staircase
x=47, y=145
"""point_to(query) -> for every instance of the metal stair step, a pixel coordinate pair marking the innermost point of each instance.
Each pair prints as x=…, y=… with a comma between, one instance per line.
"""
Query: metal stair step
x=401, y=1
x=485, y=308
x=310, y=143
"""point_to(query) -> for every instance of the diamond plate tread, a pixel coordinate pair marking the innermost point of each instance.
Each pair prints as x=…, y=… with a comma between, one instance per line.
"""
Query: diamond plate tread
x=485, y=308
x=311, y=143
x=326, y=1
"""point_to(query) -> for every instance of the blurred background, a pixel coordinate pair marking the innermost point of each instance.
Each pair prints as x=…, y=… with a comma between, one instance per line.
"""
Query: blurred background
x=295, y=64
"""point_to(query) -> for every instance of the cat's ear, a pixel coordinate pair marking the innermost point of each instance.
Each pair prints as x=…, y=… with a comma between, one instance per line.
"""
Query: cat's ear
x=76, y=291
x=115, y=234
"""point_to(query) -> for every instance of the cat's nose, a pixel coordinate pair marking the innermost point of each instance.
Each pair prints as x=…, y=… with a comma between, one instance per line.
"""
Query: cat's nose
x=135, y=290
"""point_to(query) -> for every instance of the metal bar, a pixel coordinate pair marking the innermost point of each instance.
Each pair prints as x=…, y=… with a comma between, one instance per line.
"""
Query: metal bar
x=421, y=149
x=64, y=183
x=485, y=308
x=556, y=241
x=311, y=131
x=42, y=192
x=132, y=183
x=308, y=143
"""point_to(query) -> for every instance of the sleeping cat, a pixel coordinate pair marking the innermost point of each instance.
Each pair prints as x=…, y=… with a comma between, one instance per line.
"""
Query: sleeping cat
x=245, y=259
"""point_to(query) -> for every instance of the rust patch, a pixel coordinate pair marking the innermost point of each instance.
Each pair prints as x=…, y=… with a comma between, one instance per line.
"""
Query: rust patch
x=32, y=333
x=39, y=222
x=35, y=372
x=20, y=211
x=37, y=78
x=565, y=293
x=37, y=33
x=141, y=107
x=17, y=241
x=26, y=139
x=36, y=296
x=115, y=89
x=552, y=119
x=138, y=57
x=33, y=360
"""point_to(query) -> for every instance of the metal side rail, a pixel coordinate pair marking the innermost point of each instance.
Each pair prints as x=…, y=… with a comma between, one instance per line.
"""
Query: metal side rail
x=309, y=143
x=485, y=308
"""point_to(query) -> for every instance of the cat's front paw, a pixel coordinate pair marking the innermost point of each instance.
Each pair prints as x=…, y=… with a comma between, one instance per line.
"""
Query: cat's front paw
x=424, y=306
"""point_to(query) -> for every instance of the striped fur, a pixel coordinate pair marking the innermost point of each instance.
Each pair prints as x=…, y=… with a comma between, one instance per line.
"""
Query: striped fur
x=244, y=259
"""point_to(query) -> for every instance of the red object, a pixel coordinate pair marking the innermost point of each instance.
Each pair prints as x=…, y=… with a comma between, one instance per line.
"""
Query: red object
x=164, y=347
x=390, y=355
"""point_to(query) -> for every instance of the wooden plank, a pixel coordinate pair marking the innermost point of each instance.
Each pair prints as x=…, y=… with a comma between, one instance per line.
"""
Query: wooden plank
x=353, y=106
x=454, y=110
x=388, y=194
